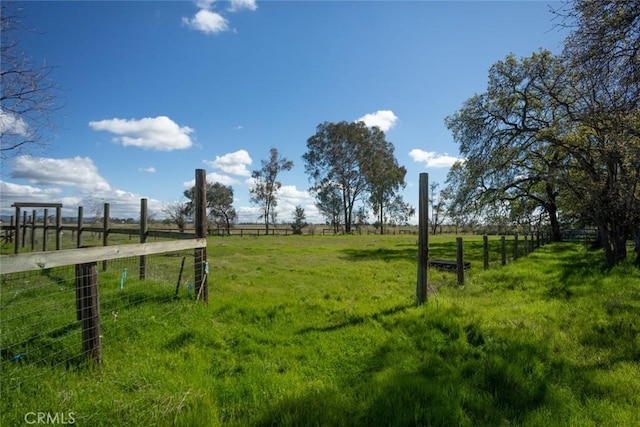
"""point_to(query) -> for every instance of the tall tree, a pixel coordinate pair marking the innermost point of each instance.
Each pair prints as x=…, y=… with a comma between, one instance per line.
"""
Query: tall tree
x=438, y=201
x=604, y=103
x=299, y=220
x=177, y=213
x=345, y=156
x=29, y=97
x=504, y=133
x=384, y=175
x=329, y=203
x=266, y=185
x=219, y=204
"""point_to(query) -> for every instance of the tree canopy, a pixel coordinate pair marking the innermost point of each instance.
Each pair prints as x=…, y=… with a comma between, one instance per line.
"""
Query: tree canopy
x=219, y=204
x=346, y=161
x=266, y=185
x=561, y=133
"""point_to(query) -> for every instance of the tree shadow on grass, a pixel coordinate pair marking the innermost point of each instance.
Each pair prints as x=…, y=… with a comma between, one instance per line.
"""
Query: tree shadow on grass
x=438, y=370
x=383, y=254
x=356, y=320
x=576, y=268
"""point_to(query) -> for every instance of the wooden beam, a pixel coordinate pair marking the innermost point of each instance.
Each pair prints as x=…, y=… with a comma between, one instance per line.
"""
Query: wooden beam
x=36, y=205
x=42, y=260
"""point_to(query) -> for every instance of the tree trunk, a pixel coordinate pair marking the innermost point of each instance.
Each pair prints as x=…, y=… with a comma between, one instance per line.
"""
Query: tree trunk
x=614, y=239
x=637, y=245
x=556, y=233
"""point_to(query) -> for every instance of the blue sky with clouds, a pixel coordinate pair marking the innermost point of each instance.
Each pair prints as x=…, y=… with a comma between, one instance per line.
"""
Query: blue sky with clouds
x=154, y=90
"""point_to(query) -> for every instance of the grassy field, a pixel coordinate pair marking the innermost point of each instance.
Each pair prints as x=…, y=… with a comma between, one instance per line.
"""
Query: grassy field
x=313, y=330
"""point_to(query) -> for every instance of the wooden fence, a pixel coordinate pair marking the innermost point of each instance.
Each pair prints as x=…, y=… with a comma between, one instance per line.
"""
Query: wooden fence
x=85, y=260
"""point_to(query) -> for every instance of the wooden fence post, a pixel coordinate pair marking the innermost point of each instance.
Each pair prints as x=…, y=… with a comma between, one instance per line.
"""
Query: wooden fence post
x=24, y=228
x=45, y=230
x=105, y=232
x=16, y=232
x=33, y=230
x=503, y=249
x=200, y=254
x=515, y=247
x=485, y=250
x=79, y=230
x=526, y=245
x=423, y=239
x=88, y=310
x=58, y=228
x=532, y=243
x=460, y=260
x=143, y=237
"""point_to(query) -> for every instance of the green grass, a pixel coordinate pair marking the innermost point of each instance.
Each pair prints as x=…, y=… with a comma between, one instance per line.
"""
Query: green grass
x=313, y=330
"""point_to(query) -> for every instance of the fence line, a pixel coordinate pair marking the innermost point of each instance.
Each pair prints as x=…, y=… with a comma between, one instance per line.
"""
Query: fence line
x=52, y=269
x=520, y=248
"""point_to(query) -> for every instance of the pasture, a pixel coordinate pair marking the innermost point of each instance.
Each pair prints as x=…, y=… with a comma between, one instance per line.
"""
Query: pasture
x=323, y=330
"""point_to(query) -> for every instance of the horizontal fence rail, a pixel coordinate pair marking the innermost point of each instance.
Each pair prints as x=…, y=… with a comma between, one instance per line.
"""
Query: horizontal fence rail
x=41, y=260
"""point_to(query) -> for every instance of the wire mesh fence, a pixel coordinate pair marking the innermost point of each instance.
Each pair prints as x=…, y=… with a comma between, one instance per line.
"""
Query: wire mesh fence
x=41, y=318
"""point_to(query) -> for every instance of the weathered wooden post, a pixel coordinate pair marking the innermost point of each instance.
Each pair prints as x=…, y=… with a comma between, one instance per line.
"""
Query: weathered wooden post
x=503, y=249
x=459, y=261
x=526, y=245
x=16, y=232
x=33, y=230
x=88, y=310
x=201, y=266
x=423, y=239
x=79, y=229
x=143, y=237
x=58, y=228
x=485, y=251
x=24, y=228
x=45, y=229
x=105, y=232
x=532, y=243
x=515, y=247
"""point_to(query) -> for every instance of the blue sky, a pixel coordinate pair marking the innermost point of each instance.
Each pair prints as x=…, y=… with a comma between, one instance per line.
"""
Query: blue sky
x=154, y=90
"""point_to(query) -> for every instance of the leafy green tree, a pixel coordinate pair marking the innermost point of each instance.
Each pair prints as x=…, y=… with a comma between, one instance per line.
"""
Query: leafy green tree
x=329, y=203
x=266, y=186
x=299, y=220
x=219, y=204
x=438, y=202
x=504, y=134
x=384, y=175
x=347, y=157
x=603, y=75
x=398, y=211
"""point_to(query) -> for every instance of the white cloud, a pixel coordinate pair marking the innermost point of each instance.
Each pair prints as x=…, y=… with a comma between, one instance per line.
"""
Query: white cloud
x=78, y=172
x=10, y=124
x=12, y=193
x=384, y=119
x=17, y=191
x=49, y=177
x=207, y=21
x=150, y=169
x=232, y=163
x=238, y=5
x=431, y=159
x=152, y=133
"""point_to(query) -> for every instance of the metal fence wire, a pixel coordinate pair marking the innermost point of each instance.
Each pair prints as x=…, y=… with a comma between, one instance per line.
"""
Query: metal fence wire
x=40, y=311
